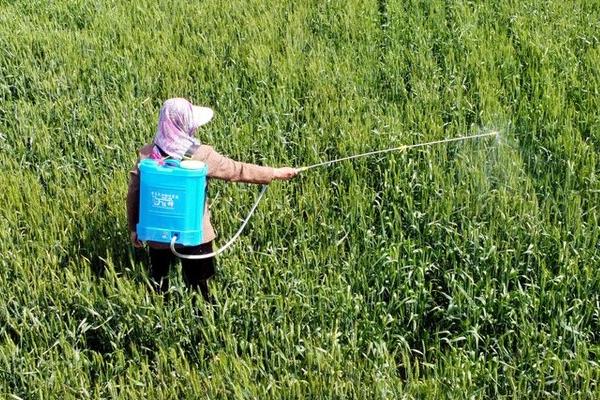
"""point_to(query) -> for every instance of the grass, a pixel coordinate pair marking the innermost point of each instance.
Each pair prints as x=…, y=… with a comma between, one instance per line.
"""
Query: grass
x=456, y=271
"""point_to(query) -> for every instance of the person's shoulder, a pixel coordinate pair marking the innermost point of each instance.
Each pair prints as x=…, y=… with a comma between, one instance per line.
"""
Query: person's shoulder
x=145, y=151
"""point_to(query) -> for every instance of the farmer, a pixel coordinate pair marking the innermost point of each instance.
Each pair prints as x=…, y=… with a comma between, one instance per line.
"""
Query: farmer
x=175, y=138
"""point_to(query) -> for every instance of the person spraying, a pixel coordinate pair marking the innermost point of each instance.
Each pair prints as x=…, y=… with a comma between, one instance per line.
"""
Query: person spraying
x=176, y=138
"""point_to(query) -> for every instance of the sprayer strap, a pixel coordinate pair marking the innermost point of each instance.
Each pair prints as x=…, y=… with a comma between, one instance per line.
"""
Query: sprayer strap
x=188, y=153
x=191, y=150
x=162, y=152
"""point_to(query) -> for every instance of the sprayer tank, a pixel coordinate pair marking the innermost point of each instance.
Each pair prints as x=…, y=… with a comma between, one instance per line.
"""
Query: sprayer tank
x=172, y=196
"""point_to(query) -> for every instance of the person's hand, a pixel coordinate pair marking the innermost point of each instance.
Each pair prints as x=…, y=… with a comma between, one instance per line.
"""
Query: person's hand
x=134, y=240
x=285, y=173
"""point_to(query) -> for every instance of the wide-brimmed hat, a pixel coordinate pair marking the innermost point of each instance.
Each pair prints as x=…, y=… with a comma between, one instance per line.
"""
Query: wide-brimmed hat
x=178, y=122
x=201, y=115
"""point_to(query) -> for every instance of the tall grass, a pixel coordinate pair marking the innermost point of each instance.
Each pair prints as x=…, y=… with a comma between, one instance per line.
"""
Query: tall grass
x=459, y=271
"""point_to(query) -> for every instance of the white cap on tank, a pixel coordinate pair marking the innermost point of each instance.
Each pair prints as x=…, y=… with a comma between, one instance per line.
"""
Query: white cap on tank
x=191, y=164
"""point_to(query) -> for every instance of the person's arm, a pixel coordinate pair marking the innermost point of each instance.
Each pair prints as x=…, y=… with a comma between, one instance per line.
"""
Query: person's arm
x=225, y=168
x=133, y=205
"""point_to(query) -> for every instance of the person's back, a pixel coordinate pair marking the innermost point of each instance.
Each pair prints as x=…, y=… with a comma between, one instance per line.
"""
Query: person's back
x=178, y=123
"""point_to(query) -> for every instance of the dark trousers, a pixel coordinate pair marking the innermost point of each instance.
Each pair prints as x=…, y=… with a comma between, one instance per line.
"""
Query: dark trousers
x=195, y=272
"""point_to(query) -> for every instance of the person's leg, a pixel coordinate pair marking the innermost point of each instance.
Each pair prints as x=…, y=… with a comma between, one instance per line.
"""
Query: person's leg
x=197, y=272
x=160, y=263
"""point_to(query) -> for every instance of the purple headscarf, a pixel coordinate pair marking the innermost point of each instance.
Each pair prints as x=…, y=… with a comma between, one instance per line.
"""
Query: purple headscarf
x=177, y=124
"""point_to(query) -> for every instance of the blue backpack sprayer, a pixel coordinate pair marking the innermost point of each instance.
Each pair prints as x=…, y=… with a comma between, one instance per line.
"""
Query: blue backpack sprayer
x=173, y=194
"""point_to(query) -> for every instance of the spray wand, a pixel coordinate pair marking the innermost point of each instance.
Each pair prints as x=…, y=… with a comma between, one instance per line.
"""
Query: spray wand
x=308, y=167
x=400, y=148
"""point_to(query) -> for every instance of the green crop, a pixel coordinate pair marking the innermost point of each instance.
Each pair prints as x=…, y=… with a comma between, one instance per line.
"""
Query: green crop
x=457, y=271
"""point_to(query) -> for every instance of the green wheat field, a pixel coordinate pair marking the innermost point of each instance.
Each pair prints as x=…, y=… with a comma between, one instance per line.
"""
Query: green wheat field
x=464, y=270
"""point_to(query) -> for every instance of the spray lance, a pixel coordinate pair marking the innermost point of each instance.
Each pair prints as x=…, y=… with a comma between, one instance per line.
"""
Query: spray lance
x=171, y=236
